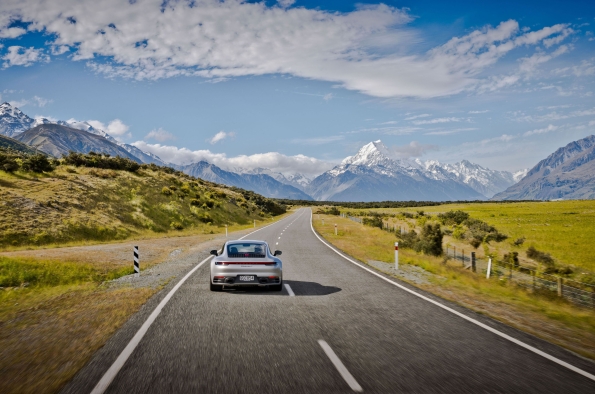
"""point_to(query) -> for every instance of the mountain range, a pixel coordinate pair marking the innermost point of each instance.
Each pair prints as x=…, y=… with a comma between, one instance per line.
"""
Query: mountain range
x=372, y=174
x=568, y=173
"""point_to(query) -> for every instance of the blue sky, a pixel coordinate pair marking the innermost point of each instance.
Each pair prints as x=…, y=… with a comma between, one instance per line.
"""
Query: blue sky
x=297, y=86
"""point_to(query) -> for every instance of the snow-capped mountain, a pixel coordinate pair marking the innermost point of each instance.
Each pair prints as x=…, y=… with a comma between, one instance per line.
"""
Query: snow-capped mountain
x=297, y=180
x=13, y=121
x=483, y=180
x=568, y=173
x=374, y=175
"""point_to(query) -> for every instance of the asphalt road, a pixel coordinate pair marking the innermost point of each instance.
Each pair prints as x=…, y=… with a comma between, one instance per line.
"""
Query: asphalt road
x=388, y=340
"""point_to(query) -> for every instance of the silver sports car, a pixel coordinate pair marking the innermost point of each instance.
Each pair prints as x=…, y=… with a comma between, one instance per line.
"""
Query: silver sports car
x=246, y=263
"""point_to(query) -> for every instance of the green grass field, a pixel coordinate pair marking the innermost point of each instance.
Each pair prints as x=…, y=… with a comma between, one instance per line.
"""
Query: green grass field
x=564, y=229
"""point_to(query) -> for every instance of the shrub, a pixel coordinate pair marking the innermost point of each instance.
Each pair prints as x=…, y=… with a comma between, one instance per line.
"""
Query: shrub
x=519, y=241
x=176, y=226
x=542, y=257
x=167, y=191
x=195, y=202
x=428, y=242
x=453, y=217
x=374, y=221
x=512, y=258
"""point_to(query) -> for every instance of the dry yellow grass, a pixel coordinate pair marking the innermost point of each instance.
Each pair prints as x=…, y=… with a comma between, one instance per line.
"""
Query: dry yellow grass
x=549, y=318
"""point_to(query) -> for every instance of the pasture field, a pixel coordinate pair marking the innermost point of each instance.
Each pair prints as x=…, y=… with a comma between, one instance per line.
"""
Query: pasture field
x=543, y=315
x=564, y=229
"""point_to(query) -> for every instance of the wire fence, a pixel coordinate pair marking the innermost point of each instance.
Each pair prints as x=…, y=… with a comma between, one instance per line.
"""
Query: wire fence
x=579, y=293
x=538, y=283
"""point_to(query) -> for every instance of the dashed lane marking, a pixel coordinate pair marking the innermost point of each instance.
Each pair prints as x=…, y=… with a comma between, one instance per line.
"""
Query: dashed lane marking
x=340, y=367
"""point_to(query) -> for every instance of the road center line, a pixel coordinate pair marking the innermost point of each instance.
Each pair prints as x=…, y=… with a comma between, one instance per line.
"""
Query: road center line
x=111, y=373
x=291, y=293
x=340, y=367
x=469, y=319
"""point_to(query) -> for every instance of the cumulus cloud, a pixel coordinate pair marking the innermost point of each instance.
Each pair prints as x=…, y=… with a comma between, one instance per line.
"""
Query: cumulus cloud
x=215, y=39
x=413, y=149
x=116, y=128
x=274, y=161
x=220, y=136
x=20, y=56
x=160, y=135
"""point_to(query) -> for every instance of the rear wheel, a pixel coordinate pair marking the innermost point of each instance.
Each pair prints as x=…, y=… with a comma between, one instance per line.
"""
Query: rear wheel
x=278, y=287
x=216, y=287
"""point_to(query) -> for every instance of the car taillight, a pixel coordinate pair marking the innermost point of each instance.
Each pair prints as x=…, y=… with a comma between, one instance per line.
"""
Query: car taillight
x=273, y=277
x=219, y=277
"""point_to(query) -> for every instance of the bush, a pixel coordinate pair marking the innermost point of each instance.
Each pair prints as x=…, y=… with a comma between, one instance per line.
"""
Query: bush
x=101, y=160
x=512, y=258
x=37, y=163
x=519, y=241
x=167, y=191
x=375, y=221
x=195, y=202
x=453, y=217
x=428, y=242
x=542, y=257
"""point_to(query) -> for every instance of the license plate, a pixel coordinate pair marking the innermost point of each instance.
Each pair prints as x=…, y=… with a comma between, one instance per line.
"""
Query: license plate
x=246, y=278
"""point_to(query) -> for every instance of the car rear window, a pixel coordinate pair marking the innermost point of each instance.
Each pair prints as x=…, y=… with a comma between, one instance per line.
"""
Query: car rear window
x=247, y=249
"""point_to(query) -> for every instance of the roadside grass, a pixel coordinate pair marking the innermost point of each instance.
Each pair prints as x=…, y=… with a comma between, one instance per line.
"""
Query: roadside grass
x=542, y=315
x=564, y=229
x=54, y=316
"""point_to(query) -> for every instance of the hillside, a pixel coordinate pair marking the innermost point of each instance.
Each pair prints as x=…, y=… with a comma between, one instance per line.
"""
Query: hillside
x=58, y=140
x=11, y=143
x=568, y=173
x=77, y=203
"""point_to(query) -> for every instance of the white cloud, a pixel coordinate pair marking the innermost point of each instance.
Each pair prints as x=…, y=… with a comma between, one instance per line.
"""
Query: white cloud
x=220, y=136
x=413, y=149
x=116, y=128
x=286, y=3
x=480, y=112
x=452, y=131
x=35, y=101
x=317, y=141
x=274, y=161
x=418, y=116
x=225, y=39
x=160, y=135
x=541, y=131
x=327, y=97
x=438, y=120
x=12, y=32
x=552, y=116
x=20, y=56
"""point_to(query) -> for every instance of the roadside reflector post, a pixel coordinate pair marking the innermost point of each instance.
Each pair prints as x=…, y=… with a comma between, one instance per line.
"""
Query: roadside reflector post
x=323, y=221
x=226, y=231
x=335, y=229
x=254, y=223
x=489, y=268
x=463, y=257
x=473, y=268
x=136, y=264
x=396, y=255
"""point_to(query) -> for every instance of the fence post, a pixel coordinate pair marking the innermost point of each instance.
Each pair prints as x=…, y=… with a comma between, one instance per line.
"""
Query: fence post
x=136, y=263
x=335, y=229
x=454, y=254
x=560, y=292
x=489, y=268
x=463, y=257
x=473, y=268
x=396, y=255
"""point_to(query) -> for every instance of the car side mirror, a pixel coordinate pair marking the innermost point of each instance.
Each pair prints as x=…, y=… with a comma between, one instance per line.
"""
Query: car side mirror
x=277, y=253
x=214, y=252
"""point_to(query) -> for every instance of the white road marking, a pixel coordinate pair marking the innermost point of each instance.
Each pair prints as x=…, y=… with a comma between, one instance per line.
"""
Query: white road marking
x=291, y=293
x=279, y=238
x=469, y=319
x=276, y=243
x=340, y=367
x=111, y=373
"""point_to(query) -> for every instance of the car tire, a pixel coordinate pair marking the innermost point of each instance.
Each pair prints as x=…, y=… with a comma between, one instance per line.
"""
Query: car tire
x=216, y=287
x=278, y=287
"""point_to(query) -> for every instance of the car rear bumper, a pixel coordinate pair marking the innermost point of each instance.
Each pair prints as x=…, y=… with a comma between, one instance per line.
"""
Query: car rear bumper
x=230, y=275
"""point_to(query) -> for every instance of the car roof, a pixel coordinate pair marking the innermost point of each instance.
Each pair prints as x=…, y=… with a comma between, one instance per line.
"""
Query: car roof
x=245, y=241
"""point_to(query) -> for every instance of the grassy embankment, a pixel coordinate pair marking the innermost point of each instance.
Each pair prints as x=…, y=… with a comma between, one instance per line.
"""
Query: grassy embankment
x=55, y=314
x=544, y=315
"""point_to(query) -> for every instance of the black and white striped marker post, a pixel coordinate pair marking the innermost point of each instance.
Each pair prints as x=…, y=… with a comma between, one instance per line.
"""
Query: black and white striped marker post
x=136, y=265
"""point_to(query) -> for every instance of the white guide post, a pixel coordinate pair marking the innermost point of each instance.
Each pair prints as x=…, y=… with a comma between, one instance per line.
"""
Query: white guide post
x=335, y=229
x=323, y=222
x=489, y=268
x=136, y=263
x=396, y=255
x=254, y=223
x=226, y=231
